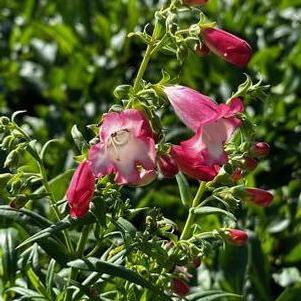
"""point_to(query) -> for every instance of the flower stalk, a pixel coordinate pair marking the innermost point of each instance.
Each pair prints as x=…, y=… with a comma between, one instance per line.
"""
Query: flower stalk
x=191, y=216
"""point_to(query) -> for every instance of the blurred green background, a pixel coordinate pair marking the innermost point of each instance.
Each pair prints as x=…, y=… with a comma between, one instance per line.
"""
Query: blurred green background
x=61, y=60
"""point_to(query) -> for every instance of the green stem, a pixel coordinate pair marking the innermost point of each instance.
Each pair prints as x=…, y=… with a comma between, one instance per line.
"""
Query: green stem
x=143, y=65
x=191, y=216
x=79, y=252
x=45, y=183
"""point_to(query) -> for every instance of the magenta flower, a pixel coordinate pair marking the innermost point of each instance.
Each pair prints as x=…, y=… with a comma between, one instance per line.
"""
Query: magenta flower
x=167, y=166
x=126, y=149
x=81, y=190
x=201, y=156
x=237, y=237
x=227, y=46
x=258, y=196
x=260, y=149
x=180, y=287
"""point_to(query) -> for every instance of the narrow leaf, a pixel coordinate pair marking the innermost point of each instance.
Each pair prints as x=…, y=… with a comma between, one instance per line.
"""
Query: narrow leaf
x=205, y=210
x=185, y=192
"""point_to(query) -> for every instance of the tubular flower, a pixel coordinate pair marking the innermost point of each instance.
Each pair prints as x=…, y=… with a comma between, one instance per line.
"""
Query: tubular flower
x=250, y=163
x=260, y=149
x=195, y=2
x=201, y=156
x=168, y=166
x=81, y=190
x=258, y=196
x=237, y=237
x=227, y=46
x=126, y=149
x=180, y=287
x=202, y=50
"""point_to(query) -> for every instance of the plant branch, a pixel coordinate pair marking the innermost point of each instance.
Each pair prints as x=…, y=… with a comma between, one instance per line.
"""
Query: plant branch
x=191, y=216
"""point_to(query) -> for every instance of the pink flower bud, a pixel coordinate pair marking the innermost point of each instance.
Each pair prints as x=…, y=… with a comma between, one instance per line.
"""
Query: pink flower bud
x=168, y=166
x=237, y=174
x=202, y=50
x=179, y=287
x=81, y=190
x=237, y=237
x=195, y=2
x=250, y=163
x=260, y=149
x=227, y=46
x=259, y=196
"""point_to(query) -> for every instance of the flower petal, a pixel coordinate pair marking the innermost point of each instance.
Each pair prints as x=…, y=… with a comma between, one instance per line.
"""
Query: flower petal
x=193, y=108
x=81, y=190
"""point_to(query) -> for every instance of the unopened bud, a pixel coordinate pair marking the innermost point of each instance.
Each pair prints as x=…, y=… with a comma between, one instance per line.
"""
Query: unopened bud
x=250, y=163
x=236, y=237
x=260, y=149
x=237, y=174
x=180, y=287
x=202, y=50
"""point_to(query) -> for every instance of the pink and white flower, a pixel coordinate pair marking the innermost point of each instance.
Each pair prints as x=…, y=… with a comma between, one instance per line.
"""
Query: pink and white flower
x=201, y=156
x=126, y=149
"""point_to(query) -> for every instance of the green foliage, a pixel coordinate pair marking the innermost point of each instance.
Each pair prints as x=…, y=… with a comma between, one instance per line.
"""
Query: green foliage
x=61, y=60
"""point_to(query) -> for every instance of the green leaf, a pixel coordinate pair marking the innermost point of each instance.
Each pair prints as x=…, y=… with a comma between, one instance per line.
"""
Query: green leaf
x=259, y=269
x=55, y=228
x=37, y=283
x=50, y=276
x=95, y=265
x=290, y=294
x=9, y=257
x=45, y=148
x=32, y=223
x=79, y=139
x=26, y=292
x=233, y=264
x=212, y=295
x=185, y=193
x=59, y=184
x=206, y=210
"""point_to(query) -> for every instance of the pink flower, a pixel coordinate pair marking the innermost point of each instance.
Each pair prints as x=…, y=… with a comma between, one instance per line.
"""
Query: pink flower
x=81, y=190
x=126, y=149
x=201, y=156
x=202, y=50
x=250, y=163
x=237, y=237
x=180, y=287
x=258, y=196
x=227, y=46
x=237, y=174
x=195, y=2
x=168, y=166
x=260, y=149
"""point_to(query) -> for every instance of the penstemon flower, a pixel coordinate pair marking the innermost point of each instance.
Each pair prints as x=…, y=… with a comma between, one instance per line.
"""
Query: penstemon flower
x=227, y=46
x=258, y=196
x=180, y=287
x=260, y=149
x=167, y=166
x=201, y=156
x=126, y=149
x=237, y=237
x=81, y=190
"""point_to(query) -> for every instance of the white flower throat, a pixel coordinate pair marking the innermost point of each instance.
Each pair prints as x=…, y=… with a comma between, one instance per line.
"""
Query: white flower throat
x=117, y=141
